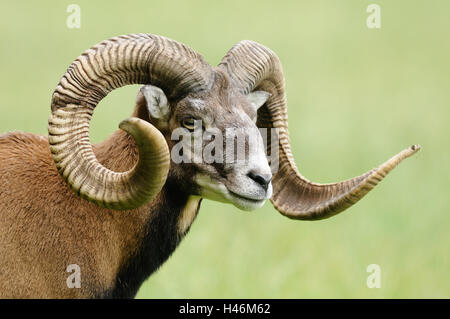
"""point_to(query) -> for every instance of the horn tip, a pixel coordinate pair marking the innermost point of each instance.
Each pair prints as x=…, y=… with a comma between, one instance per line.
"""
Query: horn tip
x=415, y=147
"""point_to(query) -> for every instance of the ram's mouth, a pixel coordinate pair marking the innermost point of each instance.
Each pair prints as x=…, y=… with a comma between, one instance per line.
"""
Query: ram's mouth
x=241, y=197
x=218, y=191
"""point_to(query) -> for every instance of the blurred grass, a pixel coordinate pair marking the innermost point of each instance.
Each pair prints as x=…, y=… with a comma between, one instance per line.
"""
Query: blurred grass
x=356, y=96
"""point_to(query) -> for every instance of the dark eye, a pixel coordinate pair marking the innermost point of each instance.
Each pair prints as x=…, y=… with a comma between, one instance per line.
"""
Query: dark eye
x=189, y=123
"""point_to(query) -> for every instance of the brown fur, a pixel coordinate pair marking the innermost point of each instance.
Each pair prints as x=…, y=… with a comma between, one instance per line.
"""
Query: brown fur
x=44, y=226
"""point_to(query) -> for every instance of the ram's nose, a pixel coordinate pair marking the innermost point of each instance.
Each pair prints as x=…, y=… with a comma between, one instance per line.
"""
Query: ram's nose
x=261, y=179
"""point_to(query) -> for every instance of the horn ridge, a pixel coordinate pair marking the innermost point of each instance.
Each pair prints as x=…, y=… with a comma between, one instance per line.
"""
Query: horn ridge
x=119, y=61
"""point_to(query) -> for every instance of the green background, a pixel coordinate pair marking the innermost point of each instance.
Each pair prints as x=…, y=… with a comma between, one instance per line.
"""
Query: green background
x=356, y=96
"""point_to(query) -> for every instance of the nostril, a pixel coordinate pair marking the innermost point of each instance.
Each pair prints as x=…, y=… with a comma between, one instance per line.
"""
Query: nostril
x=261, y=179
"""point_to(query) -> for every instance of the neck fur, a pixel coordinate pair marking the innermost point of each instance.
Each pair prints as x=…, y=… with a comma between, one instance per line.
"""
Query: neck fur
x=149, y=234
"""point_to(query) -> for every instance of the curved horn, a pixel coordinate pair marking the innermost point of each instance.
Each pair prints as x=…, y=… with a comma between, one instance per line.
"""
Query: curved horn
x=129, y=59
x=251, y=66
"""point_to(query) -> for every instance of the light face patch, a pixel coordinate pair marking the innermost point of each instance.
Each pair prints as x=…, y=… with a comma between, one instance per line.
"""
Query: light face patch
x=258, y=98
x=188, y=214
x=220, y=191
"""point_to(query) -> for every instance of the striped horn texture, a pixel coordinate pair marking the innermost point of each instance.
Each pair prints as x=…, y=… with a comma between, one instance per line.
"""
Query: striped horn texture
x=119, y=61
x=251, y=66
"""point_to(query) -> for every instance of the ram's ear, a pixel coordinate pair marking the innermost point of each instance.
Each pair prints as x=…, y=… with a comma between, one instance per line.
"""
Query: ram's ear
x=157, y=104
x=258, y=98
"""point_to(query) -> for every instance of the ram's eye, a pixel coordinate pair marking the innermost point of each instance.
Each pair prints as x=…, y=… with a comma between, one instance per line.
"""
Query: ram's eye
x=189, y=123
